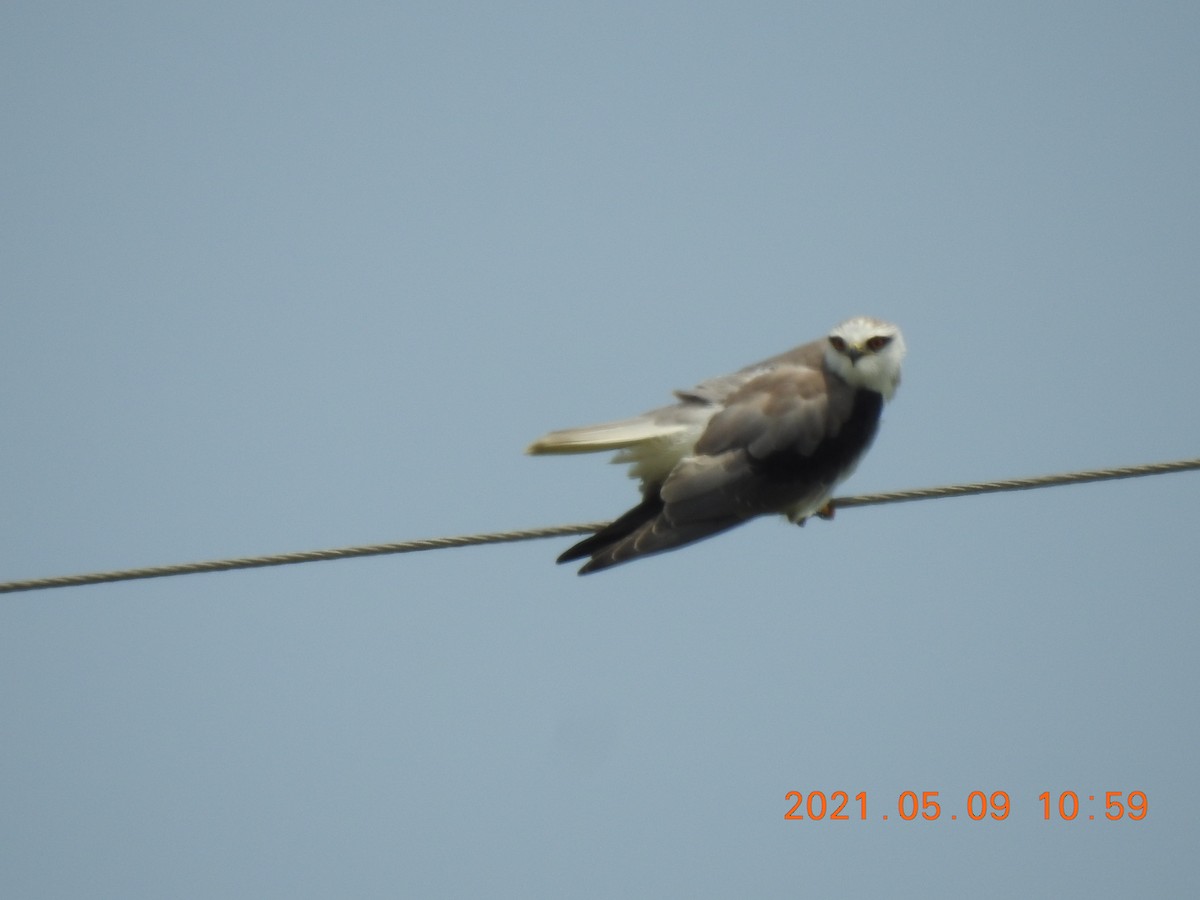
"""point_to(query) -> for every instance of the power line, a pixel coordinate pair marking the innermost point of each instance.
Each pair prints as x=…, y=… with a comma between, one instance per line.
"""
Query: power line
x=502, y=537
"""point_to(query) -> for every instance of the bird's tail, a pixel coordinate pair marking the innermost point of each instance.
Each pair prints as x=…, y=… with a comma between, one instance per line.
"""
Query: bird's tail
x=605, y=436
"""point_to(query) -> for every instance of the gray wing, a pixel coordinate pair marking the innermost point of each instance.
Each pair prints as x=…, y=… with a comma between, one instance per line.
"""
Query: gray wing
x=719, y=389
x=655, y=442
x=760, y=454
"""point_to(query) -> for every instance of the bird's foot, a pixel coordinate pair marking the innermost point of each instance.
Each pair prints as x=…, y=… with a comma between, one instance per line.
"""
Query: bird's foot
x=825, y=512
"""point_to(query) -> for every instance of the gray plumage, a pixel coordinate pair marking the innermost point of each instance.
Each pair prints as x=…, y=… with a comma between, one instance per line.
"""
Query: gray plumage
x=774, y=437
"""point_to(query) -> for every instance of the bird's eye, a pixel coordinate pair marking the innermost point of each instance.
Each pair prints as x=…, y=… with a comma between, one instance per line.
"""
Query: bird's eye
x=837, y=343
x=878, y=342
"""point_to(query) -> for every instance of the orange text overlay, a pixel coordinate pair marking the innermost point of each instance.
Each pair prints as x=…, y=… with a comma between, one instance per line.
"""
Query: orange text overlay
x=976, y=806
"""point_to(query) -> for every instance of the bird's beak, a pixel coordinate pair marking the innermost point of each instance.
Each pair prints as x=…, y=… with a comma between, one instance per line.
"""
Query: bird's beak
x=854, y=352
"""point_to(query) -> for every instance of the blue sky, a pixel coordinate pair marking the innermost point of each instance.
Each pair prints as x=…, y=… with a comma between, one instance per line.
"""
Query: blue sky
x=280, y=277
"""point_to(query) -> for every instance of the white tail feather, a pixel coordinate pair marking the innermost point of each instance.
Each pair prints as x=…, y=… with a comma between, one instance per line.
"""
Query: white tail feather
x=606, y=436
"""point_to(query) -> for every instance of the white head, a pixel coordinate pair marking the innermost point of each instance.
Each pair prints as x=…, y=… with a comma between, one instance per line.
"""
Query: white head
x=866, y=353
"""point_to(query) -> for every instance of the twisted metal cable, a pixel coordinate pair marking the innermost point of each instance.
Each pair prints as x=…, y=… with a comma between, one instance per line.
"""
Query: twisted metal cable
x=501, y=537
x=1017, y=484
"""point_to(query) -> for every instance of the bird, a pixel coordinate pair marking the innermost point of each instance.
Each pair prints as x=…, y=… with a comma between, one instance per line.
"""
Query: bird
x=775, y=437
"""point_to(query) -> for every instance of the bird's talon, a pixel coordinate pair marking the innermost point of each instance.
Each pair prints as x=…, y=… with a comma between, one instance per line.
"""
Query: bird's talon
x=826, y=512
